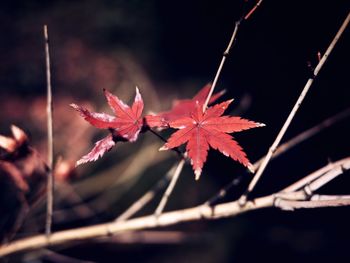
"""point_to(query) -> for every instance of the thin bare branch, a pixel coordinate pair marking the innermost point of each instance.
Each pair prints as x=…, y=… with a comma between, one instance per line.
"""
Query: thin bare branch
x=305, y=135
x=170, y=188
x=289, y=201
x=291, y=205
x=226, y=53
x=305, y=187
x=146, y=222
x=253, y=10
x=147, y=197
x=327, y=177
x=221, y=65
x=50, y=178
x=285, y=126
x=223, y=191
x=329, y=197
x=313, y=177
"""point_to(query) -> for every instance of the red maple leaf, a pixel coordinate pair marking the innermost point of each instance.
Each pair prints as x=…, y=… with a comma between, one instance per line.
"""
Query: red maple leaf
x=181, y=108
x=201, y=130
x=125, y=126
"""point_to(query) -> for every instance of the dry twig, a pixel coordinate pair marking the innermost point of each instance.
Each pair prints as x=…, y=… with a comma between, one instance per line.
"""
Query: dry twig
x=289, y=201
x=50, y=179
x=170, y=188
x=147, y=197
x=288, y=121
x=226, y=53
x=305, y=135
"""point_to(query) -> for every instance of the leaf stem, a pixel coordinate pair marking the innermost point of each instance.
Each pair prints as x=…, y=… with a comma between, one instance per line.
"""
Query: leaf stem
x=158, y=135
x=165, y=140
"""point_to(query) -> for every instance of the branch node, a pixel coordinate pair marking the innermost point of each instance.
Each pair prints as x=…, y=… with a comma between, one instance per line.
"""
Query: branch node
x=276, y=201
x=109, y=231
x=307, y=191
x=242, y=200
x=203, y=214
x=273, y=149
x=343, y=169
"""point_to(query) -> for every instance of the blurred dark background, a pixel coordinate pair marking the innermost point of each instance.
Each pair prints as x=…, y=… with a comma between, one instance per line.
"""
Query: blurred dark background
x=170, y=49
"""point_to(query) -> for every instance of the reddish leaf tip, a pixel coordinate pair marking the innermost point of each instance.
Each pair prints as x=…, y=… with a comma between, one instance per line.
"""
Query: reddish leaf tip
x=75, y=106
x=163, y=148
x=81, y=161
x=138, y=95
x=251, y=168
x=100, y=148
x=229, y=102
x=197, y=173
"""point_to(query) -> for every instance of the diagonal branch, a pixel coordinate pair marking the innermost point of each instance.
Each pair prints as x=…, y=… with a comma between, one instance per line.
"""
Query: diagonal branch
x=200, y=212
x=285, y=126
x=307, y=134
x=170, y=188
x=147, y=197
x=304, y=188
x=221, y=65
x=253, y=10
x=146, y=222
x=227, y=52
x=320, y=177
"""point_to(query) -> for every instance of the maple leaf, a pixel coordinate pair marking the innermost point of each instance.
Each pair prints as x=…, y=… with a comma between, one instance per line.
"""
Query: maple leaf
x=181, y=108
x=124, y=126
x=201, y=130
